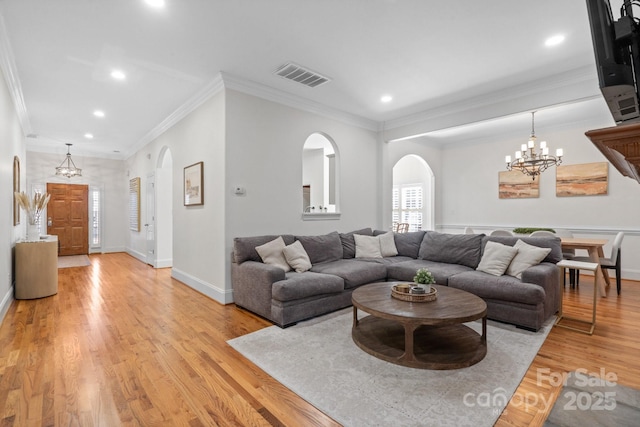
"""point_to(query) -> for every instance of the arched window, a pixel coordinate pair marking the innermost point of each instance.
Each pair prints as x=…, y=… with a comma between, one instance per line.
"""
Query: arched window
x=320, y=189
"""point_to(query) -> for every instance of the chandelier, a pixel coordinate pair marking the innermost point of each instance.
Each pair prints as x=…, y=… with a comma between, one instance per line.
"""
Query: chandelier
x=531, y=162
x=67, y=167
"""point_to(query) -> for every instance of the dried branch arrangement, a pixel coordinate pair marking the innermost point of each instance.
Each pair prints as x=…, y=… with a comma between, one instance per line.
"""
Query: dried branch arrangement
x=33, y=207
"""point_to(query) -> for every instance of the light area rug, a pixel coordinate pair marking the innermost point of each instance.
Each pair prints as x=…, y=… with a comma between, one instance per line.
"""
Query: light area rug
x=318, y=360
x=73, y=261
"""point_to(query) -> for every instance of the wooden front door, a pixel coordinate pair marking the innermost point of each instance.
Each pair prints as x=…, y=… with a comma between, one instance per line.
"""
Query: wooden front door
x=67, y=217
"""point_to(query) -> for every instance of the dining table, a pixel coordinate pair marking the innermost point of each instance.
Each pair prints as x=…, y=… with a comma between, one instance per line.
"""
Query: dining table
x=594, y=248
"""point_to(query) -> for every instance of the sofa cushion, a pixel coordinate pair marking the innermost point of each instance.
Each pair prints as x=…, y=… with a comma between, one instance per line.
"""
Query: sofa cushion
x=463, y=249
x=527, y=256
x=390, y=260
x=496, y=258
x=405, y=271
x=271, y=253
x=354, y=272
x=349, y=243
x=325, y=248
x=503, y=288
x=302, y=285
x=244, y=248
x=408, y=244
x=387, y=244
x=297, y=257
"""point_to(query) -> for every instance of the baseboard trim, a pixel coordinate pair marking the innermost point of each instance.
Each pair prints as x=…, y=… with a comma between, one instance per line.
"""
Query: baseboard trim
x=220, y=295
x=137, y=255
x=5, y=304
x=164, y=263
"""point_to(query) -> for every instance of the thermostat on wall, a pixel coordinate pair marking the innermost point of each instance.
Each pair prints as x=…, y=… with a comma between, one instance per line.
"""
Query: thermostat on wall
x=240, y=191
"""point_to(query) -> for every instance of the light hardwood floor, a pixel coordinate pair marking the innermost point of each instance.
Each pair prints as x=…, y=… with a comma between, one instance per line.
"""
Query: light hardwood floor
x=124, y=344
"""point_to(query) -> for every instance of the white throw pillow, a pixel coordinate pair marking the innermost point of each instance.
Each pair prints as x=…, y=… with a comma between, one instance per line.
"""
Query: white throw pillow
x=496, y=258
x=527, y=256
x=297, y=257
x=388, y=244
x=367, y=246
x=271, y=253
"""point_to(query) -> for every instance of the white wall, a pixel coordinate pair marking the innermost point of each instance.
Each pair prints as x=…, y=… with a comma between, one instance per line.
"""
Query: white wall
x=467, y=187
x=313, y=175
x=105, y=173
x=12, y=144
x=198, y=231
x=264, y=154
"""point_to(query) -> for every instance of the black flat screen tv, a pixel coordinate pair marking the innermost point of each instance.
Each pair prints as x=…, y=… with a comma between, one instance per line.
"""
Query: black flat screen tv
x=616, y=49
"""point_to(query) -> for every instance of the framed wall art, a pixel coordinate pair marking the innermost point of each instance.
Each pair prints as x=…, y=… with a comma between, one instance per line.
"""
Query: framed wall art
x=587, y=179
x=516, y=185
x=193, y=185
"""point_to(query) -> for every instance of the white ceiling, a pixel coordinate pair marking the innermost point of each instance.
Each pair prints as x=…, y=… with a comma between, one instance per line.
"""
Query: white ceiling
x=423, y=53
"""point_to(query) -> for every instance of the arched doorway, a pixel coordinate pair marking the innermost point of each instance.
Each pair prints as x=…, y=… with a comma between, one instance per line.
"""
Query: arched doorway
x=164, y=209
x=413, y=193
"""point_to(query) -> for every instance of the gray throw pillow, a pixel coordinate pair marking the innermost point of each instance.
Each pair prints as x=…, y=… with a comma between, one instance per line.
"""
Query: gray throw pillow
x=463, y=249
x=325, y=248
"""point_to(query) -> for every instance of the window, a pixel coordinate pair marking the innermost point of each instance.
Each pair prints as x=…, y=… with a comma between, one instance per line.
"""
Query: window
x=95, y=218
x=407, y=205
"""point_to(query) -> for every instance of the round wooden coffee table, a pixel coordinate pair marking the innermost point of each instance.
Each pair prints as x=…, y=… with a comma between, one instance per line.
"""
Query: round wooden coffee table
x=427, y=335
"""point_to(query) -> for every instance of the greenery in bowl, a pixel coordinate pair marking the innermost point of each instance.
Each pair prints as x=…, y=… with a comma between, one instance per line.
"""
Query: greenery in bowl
x=529, y=230
x=424, y=277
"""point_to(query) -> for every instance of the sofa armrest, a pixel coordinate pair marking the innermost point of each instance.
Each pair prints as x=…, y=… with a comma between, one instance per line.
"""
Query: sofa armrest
x=252, y=282
x=545, y=275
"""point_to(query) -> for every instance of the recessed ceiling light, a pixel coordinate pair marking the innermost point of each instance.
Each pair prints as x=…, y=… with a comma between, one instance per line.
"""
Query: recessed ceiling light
x=386, y=98
x=554, y=40
x=155, y=3
x=88, y=135
x=118, y=75
x=98, y=113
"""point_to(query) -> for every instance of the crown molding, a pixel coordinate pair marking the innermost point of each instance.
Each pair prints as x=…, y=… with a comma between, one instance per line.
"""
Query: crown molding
x=212, y=88
x=557, y=81
x=281, y=97
x=8, y=66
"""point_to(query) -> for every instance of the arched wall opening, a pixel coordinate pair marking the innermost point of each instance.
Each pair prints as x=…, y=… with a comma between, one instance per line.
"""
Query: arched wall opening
x=320, y=175
x=164, y=209
x=413, y=194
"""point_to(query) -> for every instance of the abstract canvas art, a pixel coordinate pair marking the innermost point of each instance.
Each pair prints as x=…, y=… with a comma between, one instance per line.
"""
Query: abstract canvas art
x=516, y=185
x=587, y=179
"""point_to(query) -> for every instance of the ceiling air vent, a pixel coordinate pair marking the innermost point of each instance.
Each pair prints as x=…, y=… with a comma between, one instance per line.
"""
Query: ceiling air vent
x=301, y=75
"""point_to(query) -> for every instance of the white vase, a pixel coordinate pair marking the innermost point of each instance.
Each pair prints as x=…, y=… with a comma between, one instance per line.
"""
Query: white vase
x=33, y=232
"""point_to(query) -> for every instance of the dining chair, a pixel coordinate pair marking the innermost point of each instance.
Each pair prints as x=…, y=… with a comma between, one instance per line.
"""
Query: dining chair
x=402, y=227
x=542, y=233
x=611, y=263
x=501, y=233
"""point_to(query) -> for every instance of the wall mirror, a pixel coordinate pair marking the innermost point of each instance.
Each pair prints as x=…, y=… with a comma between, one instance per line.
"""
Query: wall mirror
x=320, y=185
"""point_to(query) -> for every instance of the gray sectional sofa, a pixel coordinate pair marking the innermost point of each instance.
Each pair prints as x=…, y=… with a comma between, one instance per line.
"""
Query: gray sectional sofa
x=289, y=297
